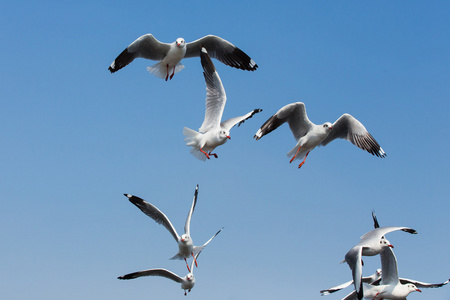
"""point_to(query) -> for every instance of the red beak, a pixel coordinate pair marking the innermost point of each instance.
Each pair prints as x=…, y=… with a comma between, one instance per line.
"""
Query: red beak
x=228, y=137
x=418, y=290
x=391, y=246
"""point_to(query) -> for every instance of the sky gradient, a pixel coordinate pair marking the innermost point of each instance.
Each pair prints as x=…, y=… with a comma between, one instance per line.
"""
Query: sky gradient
x=75, y=138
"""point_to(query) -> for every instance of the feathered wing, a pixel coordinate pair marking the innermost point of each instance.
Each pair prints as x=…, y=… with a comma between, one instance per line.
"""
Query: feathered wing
x=215, y=94
x=379, y=232
x=153, y=272
x=187, y=226
x=389, y=275
x=146, y=46
x=154, y=213
x=198, y=249
x=223, y=51
x=230, y=123
x=354, y=261
x=351, y=296
x=375, y=220
x=294, y=114
x=419, y=284
x=336, y=288
x=350, y=129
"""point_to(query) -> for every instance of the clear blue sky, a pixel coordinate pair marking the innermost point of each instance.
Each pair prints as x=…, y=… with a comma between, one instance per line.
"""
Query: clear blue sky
x=74, y=138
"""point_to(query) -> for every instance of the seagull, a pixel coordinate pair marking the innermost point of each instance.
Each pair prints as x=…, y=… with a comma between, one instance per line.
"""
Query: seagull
x=170, y=55
x=310, y=135
x=389, y=286
x=186, y=246
x=187, y=282
x=372, y=243
x=213, y=132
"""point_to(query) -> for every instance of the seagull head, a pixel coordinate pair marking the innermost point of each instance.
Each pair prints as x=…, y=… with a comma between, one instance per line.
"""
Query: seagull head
x=328, y=126
x=224, y=134
x=190, y=277
x=385, y=243
x=413, y=288
x=180, y=42
x=185, y=238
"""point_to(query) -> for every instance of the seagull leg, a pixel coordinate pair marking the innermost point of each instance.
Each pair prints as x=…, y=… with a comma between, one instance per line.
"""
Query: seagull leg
x=185, y=293
x=376, y=296
x=206, y=154
x=173, y=73
x=292, y=159
x=167, y=67
x=213, y=154
x=189, y=269
x=301, y=164
x=194, y=260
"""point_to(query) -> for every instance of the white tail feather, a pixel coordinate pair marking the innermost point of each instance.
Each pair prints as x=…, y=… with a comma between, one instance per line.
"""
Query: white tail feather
x=161, y=71
x=191, y=140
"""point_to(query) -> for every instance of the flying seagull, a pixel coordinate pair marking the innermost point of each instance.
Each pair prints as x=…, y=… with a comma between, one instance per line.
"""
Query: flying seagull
x=186, y=246
x=170, y=55
x=310, y=135
x=213, y=132
x=371, y=243
x=187, y=282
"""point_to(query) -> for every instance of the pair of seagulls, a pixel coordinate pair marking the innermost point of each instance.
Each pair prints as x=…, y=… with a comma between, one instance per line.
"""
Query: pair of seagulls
x=186, y=246
x=384, y=283
x=213, y=131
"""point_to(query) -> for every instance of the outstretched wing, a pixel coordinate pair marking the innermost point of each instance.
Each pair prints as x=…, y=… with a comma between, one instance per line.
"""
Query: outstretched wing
x=294, y=114
x=215, y=94
x=389, y=267
x=350, y=129
x=146, y=46
x=375, y=220
x=379, y=232
x=354, y=261
x=187, y=226
x=198, y=249
x=422, y=284
x=154, y=213
x=228, y=124
x=222, y=50
x=336, y=288
x=153, y=272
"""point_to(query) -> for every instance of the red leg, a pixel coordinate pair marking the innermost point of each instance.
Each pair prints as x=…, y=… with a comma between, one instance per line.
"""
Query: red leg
x=194, y=259
x=187, y=265
x=167, y=67
x=173, y=73
x=301, y=164
x=376, y=296
x=213, y=154
x=292, y=159
x=206, y=154
x=185, y=292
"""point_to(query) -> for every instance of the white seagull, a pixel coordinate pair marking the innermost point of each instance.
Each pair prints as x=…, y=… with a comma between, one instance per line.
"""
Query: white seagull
x=187, y=282
x=372, y=243
x=310, y=135
x=390, y=286
x=186, y=246
x=213, y=132
x=170, y=55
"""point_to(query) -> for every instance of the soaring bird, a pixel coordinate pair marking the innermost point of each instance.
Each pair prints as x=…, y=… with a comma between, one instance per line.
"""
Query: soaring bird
x=186, y=246
x=213, y=132
x=170, y=55
x=310, y=135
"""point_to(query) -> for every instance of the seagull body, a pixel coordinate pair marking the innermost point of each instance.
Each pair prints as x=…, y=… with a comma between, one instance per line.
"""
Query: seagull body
x=170, y=55
x=390, y=287
x=187, y=282
x=371, y=243
x=186, y=246
x=213, y=132
x=310, y=135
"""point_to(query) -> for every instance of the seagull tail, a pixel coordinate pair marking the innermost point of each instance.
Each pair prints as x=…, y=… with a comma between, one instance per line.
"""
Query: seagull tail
x=191, y=138
x=292, y=152
x=161, y=71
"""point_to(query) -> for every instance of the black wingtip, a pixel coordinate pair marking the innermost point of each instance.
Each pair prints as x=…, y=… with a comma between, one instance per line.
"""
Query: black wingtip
x=409, y=230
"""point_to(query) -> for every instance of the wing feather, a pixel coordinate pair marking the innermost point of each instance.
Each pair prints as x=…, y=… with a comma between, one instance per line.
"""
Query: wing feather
x=153, y=272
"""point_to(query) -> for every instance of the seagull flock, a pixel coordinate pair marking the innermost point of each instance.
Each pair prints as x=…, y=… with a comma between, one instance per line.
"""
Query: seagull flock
x=384, y=283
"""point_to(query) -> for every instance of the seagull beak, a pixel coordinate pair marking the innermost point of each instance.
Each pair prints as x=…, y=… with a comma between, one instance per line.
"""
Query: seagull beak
x=228, y=137
x=418, y=290
x=331, y=127
x=391, y=246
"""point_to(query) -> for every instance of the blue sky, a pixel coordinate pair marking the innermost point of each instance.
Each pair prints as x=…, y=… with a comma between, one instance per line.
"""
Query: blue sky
x=75, y=138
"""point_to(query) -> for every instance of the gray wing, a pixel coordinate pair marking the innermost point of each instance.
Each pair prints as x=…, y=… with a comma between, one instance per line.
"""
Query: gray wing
x=215, y=94
x=336, y=288
x=154, y=213
x=222, y=50
x=354, y=261
x=228, y=124
x=422, y=284
x=350, y=129
x=187, y=226
x=198, y=249
x=351, y=296
x=146, y=46
x=389, y=269
x=379, y=232
x=294, y=114
x=153, y=272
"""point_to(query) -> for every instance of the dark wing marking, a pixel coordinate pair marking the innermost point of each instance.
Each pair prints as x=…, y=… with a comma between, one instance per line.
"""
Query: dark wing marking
x=153, y=272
